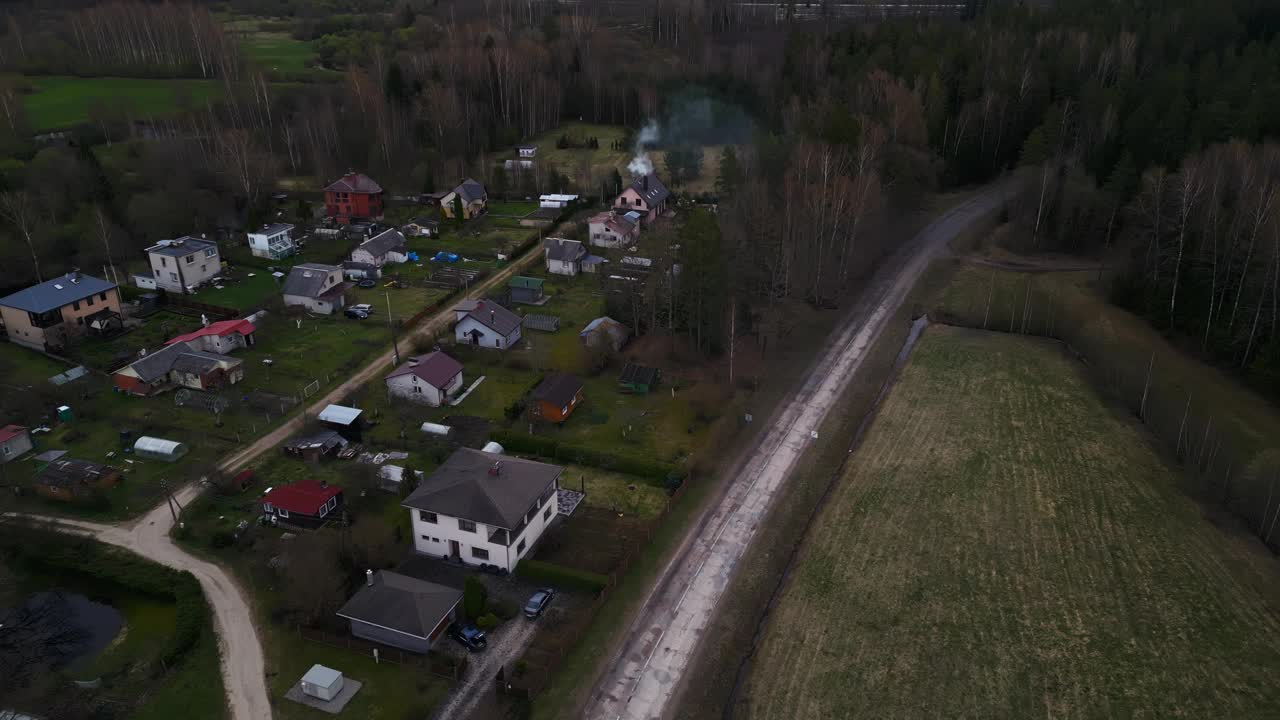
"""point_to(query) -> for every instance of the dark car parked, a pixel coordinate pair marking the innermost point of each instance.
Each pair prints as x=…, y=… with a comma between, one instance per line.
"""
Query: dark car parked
x=538, y=602
x=469, y=636
x=355, y=313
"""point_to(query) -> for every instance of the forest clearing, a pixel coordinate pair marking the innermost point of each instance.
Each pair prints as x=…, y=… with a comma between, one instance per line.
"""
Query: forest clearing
x=1004, y=544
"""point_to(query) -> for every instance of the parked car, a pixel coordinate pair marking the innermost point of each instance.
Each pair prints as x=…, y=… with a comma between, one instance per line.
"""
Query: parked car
x=365, y=308
x=367, y=283
x=355, y=313
x=469, y=636
x=538, y=602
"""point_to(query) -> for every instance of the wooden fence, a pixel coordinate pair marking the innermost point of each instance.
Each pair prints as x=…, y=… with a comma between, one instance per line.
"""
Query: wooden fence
x=177, y=301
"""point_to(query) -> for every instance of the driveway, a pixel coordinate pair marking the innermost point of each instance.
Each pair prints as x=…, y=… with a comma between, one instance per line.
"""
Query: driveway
x=644, y=676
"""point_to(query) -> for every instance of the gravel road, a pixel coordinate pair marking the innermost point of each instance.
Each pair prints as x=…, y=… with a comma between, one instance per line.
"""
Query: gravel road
x=505, y=645
x=646, y=672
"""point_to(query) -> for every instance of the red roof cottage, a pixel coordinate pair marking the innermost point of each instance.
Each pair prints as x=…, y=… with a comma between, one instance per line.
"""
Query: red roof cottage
x=353, y=196
x=306, y=503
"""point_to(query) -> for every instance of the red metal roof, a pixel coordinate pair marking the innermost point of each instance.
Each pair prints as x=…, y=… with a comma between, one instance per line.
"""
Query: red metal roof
x=9, y=432
x=305, y=497
x=220, y=328
x=355, y=183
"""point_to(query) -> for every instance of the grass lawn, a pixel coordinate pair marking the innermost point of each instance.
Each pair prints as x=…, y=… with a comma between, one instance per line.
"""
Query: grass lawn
x=601, y=160
x=246, y=294
x=1003, y=544
x=629, y=495
x=277, y=52
x=511, y=207
x=62, y=101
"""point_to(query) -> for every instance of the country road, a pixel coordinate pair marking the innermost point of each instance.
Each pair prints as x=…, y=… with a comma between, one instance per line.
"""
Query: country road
x=243, y=666
x=645, y=674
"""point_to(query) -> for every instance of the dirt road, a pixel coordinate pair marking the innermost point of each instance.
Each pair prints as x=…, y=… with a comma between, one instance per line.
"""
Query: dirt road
x=374, y=369
x=243, y=670
x=644, y=677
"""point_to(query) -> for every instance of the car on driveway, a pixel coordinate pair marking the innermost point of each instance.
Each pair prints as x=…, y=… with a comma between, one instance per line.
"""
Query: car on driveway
x=538, y=602
x=355, y=313
x=469, y=636
x=365, y=308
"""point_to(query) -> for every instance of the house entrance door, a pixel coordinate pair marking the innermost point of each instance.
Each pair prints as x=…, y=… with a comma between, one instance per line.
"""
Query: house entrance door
x=454, y=552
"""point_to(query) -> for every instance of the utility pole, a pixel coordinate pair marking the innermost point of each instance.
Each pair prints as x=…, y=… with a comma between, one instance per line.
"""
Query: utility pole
x=164, y=484
x=395, y=346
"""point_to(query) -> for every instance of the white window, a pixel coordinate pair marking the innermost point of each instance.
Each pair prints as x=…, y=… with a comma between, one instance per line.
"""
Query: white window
x=466, y=525
x=480, y=553
x=191, y=259
x=173, y=276
x=267, y=507
x=546, y=514
x=427, y=517
x=6, y=450
x=324, y=509
x=282, y=512
x=210, y=252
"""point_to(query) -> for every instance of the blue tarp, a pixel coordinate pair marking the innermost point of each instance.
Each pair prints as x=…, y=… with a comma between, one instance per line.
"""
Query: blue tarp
x=413, y=257
x=443, y=256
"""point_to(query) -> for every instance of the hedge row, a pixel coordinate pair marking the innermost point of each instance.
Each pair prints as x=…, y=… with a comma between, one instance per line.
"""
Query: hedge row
x=554, y=450
x=108, y=564
x=558, y=575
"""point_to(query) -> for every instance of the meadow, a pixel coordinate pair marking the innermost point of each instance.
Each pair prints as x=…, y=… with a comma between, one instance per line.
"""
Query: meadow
x=56, y=102
x=1004, y=544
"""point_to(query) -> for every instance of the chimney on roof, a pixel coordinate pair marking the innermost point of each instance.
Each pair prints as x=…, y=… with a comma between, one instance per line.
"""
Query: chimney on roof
x=493, y=316
x=324, y=483
x=204, y=320
x=74, y=275
x=368, y=578
x=496, y=468
x=413, y=361
x=644, y=183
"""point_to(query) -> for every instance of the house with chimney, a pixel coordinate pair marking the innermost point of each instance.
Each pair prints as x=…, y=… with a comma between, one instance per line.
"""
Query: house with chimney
x=47, y=315
x=178, y=365
x=485, y=323
x=318, y=288
x=402, y=611
x=483, y=508
x=354, y=196
x=563, y=257
x=220, y=338
x=184, y=264
x=273, y=241
x=303, y=504
x=646, y=195
x=616, y=229
x=473, y=196
x=388, y=246
x=430, y=379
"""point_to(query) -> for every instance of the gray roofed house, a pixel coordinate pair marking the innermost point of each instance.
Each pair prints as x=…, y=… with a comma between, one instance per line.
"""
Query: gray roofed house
x=273, y=228
x=317, y=287
x=308, y=279
x=651, y=189
x=178, y=364
x=558, y=389
x=470, y=190
x=482, y=487
x=400, y=610
x=354, y=182
x=386, y=247
x=489, y=314
x=53, y=294
x=563, y=257
x=180, y=247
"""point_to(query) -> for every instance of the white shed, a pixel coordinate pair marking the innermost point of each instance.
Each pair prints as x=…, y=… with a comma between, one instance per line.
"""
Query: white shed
x=322, y=682
x=159, y=449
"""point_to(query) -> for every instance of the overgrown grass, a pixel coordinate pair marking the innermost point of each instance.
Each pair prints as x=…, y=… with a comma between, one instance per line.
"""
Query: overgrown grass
x=1004, y=544
x=58, y=101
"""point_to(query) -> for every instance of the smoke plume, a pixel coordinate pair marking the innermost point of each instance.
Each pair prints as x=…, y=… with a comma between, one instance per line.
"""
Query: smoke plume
x=641, y=165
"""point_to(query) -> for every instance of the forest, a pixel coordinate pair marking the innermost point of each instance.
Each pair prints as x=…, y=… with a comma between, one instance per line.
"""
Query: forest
x=1143, y=129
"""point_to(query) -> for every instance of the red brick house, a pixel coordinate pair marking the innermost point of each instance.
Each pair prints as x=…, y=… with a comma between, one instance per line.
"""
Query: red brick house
x=354, y=196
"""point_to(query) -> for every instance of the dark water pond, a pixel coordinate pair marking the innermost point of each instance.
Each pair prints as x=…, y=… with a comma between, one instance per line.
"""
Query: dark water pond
x=62, y=627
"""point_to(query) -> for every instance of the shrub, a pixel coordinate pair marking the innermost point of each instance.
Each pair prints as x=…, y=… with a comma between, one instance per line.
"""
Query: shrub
x=221, y=539
x=488, y=621
x=550, y=449
x=558, y=575
x=504, y=609
x=474, y=596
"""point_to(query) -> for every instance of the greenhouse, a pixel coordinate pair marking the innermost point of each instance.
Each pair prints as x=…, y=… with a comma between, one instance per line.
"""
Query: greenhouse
x=159, y=448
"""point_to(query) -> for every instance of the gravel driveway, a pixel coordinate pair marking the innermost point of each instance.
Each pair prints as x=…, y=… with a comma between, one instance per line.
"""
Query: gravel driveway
x=506, y=643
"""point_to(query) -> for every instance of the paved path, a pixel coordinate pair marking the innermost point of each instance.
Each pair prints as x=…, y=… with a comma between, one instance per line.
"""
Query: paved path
x=243, y=670
x=506, y=643
x=641, y=681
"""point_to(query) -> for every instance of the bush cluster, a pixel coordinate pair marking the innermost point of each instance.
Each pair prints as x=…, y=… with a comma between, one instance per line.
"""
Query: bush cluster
x=555, y=450
x=560, y=576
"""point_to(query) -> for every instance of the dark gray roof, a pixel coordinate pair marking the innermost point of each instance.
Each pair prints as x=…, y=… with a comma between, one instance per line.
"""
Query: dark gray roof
x=179, y=356
x=470, y=190
x=651, y=189
x=353, y=265
x=325, y=440
x=467, y=486
x=491, y=315
x=564, y=250
x=53, y=294
x=272, y=229
x=307, y=279
x=638, y=374
x=402, y=603
x=383, y=242
x=70, y=472
x=559, y=389
x=181, y=247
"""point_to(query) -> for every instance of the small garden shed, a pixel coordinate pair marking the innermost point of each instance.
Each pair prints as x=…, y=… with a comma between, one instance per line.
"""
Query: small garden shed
x=638, y=379
x=526, y=290
x=154, y=448
x=322, y=682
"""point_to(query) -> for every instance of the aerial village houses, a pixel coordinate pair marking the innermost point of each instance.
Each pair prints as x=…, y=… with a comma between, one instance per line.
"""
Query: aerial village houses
x=354, y=196
x=474, y=199
x=273, y=241
x=563, y=257
x=318, y=288
x=555, y=398
x=430, y=380
x=646, y=195
x=46, y=315
x=183, y=265
x=612, y=229
x=385, y=247
x=401, y=611
x=485, y=323
x=304, y=504
x=178, y=365
x=220, y=337
x=71, y=479
x=483, y=508
x=15, y=441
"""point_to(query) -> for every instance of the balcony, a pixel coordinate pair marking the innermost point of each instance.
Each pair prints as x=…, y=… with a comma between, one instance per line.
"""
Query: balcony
x=45, y=320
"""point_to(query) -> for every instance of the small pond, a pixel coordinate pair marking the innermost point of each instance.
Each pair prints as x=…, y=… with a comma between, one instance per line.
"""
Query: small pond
x=71, y=629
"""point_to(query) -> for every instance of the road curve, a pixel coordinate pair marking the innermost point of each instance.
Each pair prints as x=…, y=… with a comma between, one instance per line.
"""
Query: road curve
x=661, y=641
x=243, y=668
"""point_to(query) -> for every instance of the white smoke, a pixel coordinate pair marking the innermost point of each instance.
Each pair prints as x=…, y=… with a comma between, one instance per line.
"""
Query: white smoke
x=641, y=165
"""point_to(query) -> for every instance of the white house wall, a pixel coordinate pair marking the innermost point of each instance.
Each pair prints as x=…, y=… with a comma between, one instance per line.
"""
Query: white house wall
x=462, y=333
x=433, y=538
x=405, y=387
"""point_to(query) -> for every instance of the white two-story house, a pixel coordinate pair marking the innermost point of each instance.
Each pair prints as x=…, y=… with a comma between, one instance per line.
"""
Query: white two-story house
x=485, y=323
x=183, y=265
x=483, y=508
x=272, y=241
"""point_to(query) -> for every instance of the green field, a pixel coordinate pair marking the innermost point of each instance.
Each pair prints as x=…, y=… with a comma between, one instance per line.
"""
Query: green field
x=62, y=101
x=277, y=52
x=1004, y=545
